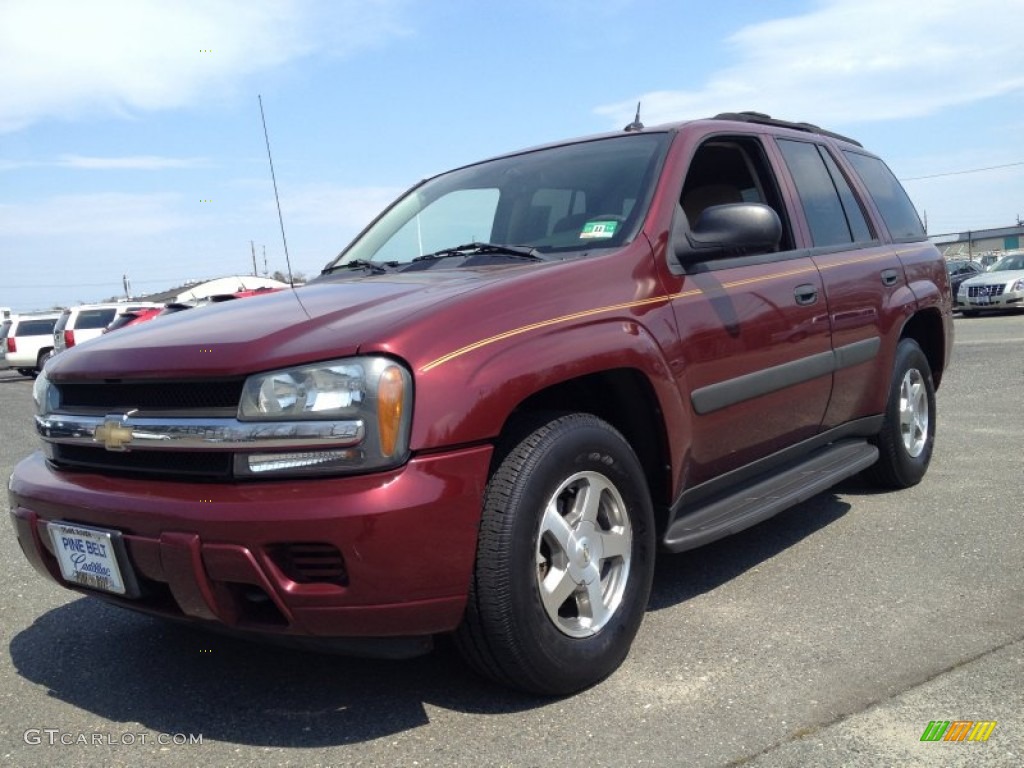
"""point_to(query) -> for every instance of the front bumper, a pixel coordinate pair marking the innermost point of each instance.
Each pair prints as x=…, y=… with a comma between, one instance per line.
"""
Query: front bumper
x=1006, y=300
x=211, y=552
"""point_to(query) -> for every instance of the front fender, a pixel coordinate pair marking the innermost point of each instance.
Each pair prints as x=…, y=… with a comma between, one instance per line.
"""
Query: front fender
x=469, y=398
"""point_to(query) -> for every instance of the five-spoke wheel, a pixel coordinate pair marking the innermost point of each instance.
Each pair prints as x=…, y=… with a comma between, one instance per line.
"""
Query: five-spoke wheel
x=565, y=557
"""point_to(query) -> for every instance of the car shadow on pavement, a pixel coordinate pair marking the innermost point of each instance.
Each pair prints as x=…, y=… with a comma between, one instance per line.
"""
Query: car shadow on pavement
x=129, y=668
x=683, y=576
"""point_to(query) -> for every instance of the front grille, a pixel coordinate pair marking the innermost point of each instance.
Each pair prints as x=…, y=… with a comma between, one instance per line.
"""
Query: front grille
x=193, y=465
x=985, y=290
x=162, y=395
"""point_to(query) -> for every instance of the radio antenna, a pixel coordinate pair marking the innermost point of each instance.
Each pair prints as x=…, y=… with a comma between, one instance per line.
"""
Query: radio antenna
x=636, y=125
x=280, y=218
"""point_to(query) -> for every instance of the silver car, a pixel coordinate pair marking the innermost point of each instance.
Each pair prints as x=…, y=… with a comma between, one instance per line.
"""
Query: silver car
x=1001, y=287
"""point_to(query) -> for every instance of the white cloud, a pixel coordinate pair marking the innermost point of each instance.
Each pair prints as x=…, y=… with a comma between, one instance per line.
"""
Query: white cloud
x=853, y=61
x=346, y=208
x=110, y=215
x=68, y=59
x=130, y=163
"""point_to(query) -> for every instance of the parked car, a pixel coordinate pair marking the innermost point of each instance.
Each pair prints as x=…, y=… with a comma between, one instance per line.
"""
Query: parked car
x=1001, y=287
x=517, y=383
x=87, y=321
x=5, y=326
x=29, y=341
x=137, y=316
x=132, y=317
x=960, y=270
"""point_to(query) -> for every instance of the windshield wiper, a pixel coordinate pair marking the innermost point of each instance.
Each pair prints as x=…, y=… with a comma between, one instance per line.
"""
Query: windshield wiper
x=374, y=267
x=471, y=249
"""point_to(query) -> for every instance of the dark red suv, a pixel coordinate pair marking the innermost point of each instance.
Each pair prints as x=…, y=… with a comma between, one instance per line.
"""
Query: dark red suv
x=487, y=414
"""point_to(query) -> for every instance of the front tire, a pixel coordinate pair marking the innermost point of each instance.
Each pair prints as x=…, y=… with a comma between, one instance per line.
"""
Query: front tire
x=907, y=436
x=565, y=559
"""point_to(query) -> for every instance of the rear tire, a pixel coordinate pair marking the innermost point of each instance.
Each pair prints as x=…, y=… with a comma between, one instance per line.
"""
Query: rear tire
x=565, y=559
x=907, y=436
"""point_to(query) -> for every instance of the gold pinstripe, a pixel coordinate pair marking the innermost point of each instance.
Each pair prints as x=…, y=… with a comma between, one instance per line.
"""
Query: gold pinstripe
x=773, y=276
x=859, y=260
x=553, y=321
x=627, y=305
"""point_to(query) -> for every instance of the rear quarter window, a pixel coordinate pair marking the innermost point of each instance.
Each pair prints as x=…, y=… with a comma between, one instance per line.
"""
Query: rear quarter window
x=94, y=318
x=36, y=327
x=890, y=198
x=830, y=207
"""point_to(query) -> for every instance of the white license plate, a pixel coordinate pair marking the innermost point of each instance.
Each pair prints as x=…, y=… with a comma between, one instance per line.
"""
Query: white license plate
x=982, y=300
x=87, y=556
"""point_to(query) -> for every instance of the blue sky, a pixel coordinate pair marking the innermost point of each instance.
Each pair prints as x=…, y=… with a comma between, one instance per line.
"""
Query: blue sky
x=131, y=142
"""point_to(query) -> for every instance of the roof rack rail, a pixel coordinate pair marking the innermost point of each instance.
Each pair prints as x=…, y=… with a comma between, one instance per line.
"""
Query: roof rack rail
x=762, y=119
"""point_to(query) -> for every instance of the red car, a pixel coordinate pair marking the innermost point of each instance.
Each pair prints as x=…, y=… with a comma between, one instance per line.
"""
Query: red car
x=490, y=411
x=133, y=317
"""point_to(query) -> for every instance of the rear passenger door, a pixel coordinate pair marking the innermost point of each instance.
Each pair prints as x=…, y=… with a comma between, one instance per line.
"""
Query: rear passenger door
x=862, y=276
x=754, y=353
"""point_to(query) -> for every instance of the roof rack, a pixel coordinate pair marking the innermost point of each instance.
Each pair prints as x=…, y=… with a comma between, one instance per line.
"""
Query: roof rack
x=763, y=119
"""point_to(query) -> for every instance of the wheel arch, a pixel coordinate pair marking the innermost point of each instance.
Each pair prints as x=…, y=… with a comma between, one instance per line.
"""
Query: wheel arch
x=614, y=369
x=926, y=328
x=625, y=399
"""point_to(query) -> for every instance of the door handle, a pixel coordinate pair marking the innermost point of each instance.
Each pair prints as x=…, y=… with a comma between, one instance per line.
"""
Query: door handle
x=890, y=276
x=805, y=294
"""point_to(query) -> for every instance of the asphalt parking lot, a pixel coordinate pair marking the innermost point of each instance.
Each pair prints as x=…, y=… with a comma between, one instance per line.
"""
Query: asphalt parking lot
x=830, y=635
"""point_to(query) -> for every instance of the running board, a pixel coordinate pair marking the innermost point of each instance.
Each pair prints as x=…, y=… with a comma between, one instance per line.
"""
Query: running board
x=758, y=500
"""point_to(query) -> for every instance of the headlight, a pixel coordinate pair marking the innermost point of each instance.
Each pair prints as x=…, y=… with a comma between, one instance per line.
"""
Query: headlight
x=1018, y=286
x=372, y=392
x=45, y=395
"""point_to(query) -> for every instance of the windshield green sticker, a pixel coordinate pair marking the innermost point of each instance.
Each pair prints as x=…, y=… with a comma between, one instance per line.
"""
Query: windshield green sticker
x=597, y=229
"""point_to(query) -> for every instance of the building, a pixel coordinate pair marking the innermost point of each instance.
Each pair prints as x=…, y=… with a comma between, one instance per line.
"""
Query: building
x=194, y=290
x=981, y=244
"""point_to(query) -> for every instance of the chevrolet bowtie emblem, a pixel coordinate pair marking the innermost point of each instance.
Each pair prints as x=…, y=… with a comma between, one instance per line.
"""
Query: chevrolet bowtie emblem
x=113, y=434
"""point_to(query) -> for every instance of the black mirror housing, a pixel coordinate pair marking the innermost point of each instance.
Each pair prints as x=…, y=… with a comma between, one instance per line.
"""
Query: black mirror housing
x=734, y=227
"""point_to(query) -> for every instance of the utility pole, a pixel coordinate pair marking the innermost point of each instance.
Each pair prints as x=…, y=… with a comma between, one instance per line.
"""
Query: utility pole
x=252, y=247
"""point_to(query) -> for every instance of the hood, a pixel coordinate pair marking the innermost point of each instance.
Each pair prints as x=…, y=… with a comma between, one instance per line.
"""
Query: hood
x=996, y=278
x=323, y=320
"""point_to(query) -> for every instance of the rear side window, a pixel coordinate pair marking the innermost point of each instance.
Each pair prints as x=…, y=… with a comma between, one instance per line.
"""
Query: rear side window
x=833, y=213
x=897, y=211
x=36, y=327
x=94, y=318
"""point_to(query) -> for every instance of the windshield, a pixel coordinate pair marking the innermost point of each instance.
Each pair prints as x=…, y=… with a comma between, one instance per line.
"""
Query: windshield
x=563, y=199
x=1008, y=264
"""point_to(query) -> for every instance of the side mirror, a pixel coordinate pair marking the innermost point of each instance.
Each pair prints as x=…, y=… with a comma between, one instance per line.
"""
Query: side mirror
x=735, y=227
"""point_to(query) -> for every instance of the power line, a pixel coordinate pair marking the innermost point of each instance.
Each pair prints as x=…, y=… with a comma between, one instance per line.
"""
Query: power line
x=961, y=173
